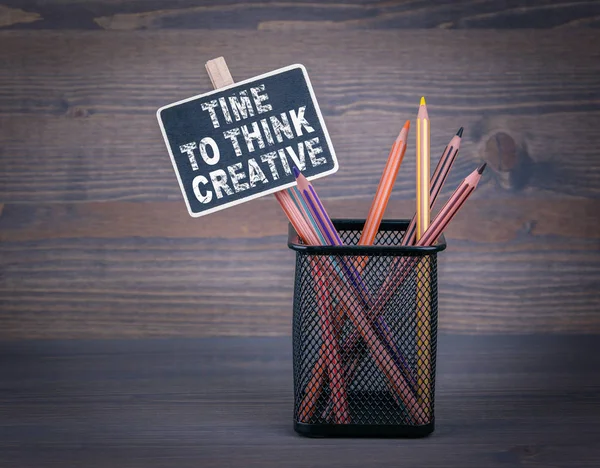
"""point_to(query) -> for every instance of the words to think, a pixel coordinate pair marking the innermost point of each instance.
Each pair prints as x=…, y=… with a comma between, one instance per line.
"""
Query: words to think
x=248, y=139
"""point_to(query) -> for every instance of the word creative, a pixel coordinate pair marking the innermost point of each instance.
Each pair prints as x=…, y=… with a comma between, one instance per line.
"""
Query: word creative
x=240, y=143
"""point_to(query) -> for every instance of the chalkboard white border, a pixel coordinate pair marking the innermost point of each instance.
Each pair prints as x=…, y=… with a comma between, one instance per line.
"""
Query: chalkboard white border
x=234, y=85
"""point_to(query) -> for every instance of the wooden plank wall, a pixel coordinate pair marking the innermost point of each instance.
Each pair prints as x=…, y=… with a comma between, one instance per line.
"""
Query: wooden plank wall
x=95, y=241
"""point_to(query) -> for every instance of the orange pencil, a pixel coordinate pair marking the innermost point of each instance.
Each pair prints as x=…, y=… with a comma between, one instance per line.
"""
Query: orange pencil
x=384, y=189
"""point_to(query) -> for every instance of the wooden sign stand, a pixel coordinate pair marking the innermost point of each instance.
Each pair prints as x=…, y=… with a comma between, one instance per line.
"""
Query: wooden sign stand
x=218, y=72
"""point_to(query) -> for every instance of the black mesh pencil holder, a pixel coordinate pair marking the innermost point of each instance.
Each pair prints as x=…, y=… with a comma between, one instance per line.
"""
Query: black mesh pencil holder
x=365, y=335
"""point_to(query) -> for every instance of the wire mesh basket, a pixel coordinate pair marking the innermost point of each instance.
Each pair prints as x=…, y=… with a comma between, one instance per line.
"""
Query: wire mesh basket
x=365, y=334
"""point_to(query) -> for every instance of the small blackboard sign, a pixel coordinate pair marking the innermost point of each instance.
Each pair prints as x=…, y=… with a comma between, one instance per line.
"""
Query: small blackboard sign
x=241, y=142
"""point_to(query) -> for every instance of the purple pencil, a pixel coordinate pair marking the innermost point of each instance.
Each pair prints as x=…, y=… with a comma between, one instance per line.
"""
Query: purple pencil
x=317, y=209
x=331, y=236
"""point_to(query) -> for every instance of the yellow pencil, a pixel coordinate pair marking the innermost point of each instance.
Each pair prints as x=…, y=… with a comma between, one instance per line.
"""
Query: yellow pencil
x=423, y=315
x=423, y=175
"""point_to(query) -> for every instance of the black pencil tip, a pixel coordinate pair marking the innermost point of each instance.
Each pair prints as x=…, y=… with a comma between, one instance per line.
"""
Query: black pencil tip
x=460, y=131
x=481, y=168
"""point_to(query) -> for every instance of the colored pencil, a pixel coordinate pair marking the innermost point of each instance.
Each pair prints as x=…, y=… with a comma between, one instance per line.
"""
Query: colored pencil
x=317, y=210
x=436, y=183
x=406, y=264
x=330, y=352
x=371, y=228
x=384, y=189
x=449, y=210
x=423, y=213
x=430, y=237
x=304, y=230
x=303, y=208
x=422, y=169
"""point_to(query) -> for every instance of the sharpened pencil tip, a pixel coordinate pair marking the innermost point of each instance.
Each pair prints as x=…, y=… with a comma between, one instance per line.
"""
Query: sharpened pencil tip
x=296, y=172
x=407, y=124
x=423, y=103
x=460, y=132
x=481, y=168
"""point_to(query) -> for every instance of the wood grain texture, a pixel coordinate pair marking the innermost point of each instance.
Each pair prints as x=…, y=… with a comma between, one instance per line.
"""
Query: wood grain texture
x=500, y=401
x=81, y=105
x=128, y=269
x=304, y=14
x=94, y=237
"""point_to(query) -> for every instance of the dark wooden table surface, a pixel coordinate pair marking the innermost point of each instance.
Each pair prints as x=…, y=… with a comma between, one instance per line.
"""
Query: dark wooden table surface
x=217, y=402
x=132, y=335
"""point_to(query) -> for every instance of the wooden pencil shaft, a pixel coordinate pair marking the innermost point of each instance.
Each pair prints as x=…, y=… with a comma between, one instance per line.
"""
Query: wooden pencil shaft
x=305, y=232
x=320, y=214
x=442, y=170
x=383, y=360
x=303, y=208
x=384, y=189
x=423, y=173
x=332, y=356
x=436, y=183
x=443, y=218
x=423, y=210
x=404, y=265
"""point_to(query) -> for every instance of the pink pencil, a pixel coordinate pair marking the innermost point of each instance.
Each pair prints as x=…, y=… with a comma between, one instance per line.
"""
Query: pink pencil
x=449, y=210
x=437, y=182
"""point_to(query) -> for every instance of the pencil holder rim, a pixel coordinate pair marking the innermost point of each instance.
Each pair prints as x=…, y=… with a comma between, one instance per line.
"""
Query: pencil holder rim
x=355, y=225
